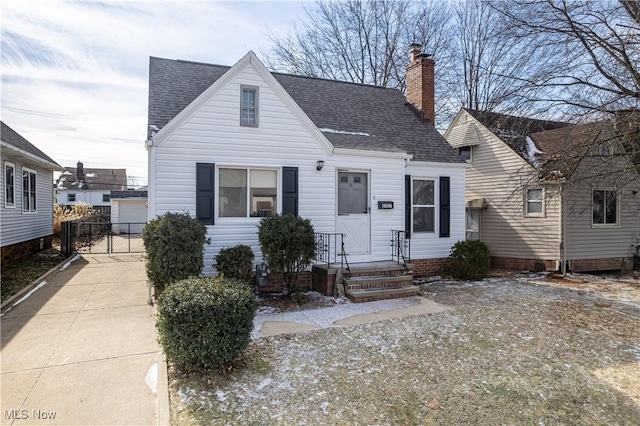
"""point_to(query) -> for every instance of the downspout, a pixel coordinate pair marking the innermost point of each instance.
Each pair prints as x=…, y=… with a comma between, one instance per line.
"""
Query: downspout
x=563, y=234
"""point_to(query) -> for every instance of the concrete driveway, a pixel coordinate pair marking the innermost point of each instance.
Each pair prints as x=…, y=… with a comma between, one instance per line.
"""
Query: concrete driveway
x=82, y=349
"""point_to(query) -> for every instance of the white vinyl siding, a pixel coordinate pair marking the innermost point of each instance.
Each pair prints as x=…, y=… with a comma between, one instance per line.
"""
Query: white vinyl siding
x=211, y=135
x=17, y=226
x=98, y=197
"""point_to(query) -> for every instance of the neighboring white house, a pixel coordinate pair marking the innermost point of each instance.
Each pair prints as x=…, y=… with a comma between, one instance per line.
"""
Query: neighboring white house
x=232, y=144
x=26, y=205
x=89, y=185
x=545, y=194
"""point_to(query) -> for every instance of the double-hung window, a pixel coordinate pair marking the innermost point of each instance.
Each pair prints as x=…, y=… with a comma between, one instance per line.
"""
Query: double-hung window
x=249, y=106
x=605, y=207
x=534, y=202
x=9, y=184
x=247, y=192
x=424, y=205
x=29, y=179
x=71, y=198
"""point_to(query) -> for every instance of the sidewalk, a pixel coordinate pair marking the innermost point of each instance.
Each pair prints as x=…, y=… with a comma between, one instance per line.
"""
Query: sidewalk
x=82, y=350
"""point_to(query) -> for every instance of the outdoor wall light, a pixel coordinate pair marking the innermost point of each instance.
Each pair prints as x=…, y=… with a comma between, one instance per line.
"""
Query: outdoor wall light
x=319, y=165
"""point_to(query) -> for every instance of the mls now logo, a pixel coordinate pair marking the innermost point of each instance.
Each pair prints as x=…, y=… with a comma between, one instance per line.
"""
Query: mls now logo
x=16, y=414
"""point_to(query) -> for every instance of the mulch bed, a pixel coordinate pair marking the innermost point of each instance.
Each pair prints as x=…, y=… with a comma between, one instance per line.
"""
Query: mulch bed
x=18, y=275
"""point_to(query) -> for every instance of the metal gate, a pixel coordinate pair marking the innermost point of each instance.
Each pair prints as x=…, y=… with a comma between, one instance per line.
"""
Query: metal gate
x=101, y=237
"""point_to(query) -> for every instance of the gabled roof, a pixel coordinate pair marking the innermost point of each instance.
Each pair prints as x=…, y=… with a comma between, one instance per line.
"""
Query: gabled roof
x=513, y=130
x=94, y=179
x=561, y=150
x=14, y=139
x=352, y=116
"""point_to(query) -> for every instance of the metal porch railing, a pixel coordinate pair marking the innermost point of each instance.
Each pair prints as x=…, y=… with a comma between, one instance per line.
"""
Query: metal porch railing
x=401, y=248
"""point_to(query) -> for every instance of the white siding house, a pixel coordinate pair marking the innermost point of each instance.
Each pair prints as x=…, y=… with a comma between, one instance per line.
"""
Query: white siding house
x=90, y=186
x=324, y=150
x=26, y=203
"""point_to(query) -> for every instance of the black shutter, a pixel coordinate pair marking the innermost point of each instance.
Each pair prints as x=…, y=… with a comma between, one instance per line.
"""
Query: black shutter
x=290, y=190
x=205, y=192
x=445, y=207
x=407, y=205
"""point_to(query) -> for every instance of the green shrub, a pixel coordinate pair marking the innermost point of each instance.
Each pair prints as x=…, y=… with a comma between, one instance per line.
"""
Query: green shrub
x=288, y=247
x=470, y=260
x=173, y=243
x=235, y=262
x=204, y=323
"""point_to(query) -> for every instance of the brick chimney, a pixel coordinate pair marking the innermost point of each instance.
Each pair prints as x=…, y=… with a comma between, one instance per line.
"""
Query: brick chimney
x=420, y=83
x=80, y=176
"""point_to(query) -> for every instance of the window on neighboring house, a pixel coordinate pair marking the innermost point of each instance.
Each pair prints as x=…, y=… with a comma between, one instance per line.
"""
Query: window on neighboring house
x=534, y=201
x=29, y=179
x=424, y=205
x=605, y=150
x=605, y=207
x=465, y=153
x=71, y=198
x=9, y=184
x=249, y=106
x=106, y=198
x=247, y=192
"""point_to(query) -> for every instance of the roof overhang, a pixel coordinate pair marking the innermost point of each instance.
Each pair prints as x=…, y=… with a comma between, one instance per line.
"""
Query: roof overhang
x=31, y=157
x=463, y=165
x=475, y=203
x=371, y=153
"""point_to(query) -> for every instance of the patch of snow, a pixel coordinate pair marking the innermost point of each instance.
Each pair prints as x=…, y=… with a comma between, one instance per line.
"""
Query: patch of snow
x=221, y=395
x=66, y=172
x=324, y=407
x=342, y=132
x=66, y=265
x=151, y=379
x=154, y=129
x=532, y=151
x=91, y=175
x=26, y=296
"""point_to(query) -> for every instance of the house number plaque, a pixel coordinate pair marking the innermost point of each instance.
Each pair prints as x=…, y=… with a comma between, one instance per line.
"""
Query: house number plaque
x=385, y=205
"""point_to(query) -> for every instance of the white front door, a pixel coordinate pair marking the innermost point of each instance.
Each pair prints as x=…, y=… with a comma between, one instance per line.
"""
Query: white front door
x=353, y=212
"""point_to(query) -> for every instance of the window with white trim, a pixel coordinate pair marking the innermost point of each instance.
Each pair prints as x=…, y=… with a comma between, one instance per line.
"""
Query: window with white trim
x=247, y=192
x=9, y=184
x=465, y=153
x=424, y=207
x=605, y=207
x=248, y=106
x=534, y=202
x=29, y=188
x=71, y=198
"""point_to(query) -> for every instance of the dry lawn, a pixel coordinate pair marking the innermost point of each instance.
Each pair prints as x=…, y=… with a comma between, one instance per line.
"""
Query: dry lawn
x=511, y=351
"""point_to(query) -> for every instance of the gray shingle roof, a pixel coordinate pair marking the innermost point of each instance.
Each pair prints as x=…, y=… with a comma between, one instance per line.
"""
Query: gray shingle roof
x=98, y=179
x=14, y=139
x=513, y=130
x=381, y=113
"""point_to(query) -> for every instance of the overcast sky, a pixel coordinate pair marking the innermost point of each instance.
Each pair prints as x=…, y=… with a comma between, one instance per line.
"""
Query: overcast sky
x=75, y=73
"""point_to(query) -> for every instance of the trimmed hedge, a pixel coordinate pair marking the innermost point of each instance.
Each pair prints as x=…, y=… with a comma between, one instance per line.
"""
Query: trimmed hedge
x=204, y=323
x=288, y=245
x=235, y=262
x=470, y=260
x=174, y=244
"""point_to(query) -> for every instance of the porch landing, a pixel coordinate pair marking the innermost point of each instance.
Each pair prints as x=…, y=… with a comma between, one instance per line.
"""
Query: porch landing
x=366, y=281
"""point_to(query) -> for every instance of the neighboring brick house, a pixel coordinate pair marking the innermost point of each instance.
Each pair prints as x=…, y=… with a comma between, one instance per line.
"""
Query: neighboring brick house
x=26, y=206
x=545, y=194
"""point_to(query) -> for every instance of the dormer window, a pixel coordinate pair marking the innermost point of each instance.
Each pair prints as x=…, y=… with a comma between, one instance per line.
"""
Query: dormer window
x=249, y=106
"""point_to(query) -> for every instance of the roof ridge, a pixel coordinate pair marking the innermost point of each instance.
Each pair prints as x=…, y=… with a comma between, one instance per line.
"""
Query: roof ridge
x=519, y=117
x=207, y=64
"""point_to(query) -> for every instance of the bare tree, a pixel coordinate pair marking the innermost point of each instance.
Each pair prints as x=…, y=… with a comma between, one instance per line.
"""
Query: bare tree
x=367, y=42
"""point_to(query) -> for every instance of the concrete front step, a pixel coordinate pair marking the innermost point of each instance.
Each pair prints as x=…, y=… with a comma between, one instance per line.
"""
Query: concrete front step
x=369, y=295
x=378, y=281
x=377, y=268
